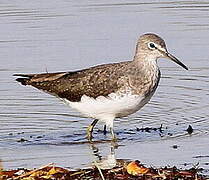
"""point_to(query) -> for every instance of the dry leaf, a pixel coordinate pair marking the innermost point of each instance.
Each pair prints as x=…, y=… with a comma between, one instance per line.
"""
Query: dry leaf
x=135, y=168
x=8, y=174
x=55, y=170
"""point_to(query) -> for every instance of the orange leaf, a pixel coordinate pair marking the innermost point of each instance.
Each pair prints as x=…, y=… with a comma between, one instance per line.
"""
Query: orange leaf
x=55, y=170
x=134, y=168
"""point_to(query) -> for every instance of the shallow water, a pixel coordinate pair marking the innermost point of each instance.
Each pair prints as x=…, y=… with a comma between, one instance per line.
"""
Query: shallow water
x=39, y=36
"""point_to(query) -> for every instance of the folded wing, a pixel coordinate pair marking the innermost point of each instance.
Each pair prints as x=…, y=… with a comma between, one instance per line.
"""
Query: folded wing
x=92, y=82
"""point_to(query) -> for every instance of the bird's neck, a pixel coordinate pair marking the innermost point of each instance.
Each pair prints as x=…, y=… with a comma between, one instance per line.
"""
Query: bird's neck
x=145, y=75
x=145, y=61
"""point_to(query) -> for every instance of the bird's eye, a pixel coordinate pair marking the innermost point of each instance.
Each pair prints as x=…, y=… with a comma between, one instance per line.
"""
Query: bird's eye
x=151, y=45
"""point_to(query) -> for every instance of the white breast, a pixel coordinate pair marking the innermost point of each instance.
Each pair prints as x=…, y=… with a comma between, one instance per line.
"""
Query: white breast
x=114, y=105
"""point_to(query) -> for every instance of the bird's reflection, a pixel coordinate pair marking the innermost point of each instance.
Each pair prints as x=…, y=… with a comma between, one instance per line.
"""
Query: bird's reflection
x=107, y=161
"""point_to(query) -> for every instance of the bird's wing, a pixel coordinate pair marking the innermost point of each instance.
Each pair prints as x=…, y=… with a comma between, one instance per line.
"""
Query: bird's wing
x=93, y=82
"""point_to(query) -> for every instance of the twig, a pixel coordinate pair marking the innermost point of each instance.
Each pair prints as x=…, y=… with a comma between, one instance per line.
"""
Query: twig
x=100, y=172
x=31, y=172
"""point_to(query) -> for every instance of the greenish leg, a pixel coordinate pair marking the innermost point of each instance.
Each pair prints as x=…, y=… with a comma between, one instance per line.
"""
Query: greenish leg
x=90, y=129
x=113, y=135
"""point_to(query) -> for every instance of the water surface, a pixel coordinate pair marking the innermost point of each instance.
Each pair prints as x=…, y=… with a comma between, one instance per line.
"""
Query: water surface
x=39, y=36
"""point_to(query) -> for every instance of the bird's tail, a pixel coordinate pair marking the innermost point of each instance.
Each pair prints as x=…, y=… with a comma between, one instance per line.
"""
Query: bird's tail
x=24, y=78
x=31, y=79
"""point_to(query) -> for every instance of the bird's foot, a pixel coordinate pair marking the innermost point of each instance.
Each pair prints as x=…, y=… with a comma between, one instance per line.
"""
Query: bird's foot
x=114, y=138
x=89, y=133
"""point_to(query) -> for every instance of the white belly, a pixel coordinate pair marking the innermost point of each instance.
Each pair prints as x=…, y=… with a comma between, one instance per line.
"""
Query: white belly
x=109, y=107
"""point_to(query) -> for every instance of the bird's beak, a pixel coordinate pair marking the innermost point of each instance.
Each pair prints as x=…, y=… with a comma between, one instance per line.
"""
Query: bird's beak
x=173, y=58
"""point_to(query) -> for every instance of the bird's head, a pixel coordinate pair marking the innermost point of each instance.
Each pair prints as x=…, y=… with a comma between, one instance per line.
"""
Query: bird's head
x=151, y=47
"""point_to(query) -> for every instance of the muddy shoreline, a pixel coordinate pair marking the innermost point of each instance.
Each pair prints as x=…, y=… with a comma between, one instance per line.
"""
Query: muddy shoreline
x=121, y=171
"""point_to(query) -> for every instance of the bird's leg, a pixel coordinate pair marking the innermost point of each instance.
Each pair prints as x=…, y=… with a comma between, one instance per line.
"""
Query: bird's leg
x=90, y=129
x=105, y=130
x=113, y=135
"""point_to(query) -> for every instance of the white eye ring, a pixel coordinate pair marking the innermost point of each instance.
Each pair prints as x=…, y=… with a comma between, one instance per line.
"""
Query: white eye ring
x=152, y=45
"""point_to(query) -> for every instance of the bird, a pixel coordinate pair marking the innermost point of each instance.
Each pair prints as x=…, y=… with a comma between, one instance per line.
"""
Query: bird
x=108, y=91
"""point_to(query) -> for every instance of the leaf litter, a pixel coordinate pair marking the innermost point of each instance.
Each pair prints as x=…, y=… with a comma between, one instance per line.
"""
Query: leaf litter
x=125, y=170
